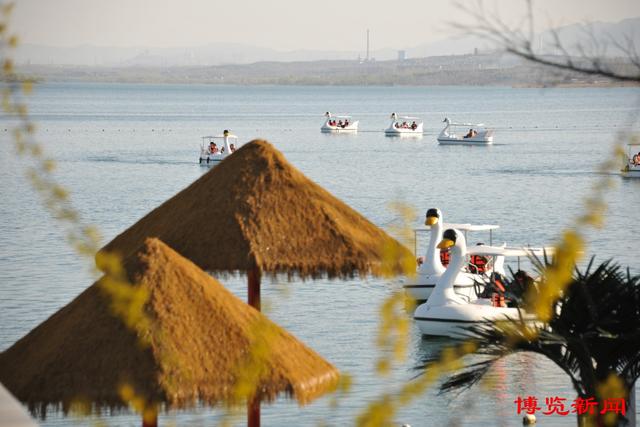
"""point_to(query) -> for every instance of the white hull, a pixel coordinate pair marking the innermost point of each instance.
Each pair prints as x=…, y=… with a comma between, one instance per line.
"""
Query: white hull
x=353, y=127
x=631, y=172
x=443, y=140
x=392, y=131
x=451, y=320
x=211, y=160
x=420, y=289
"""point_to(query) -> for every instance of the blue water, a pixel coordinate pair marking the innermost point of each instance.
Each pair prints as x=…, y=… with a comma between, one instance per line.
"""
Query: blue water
x=124, y=149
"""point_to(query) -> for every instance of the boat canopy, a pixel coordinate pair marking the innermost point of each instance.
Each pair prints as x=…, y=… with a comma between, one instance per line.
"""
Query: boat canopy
x=509, y=251
x=219, y=137
x=407, y=118
x=478, y=125
x=336, y=116
x=463, y=227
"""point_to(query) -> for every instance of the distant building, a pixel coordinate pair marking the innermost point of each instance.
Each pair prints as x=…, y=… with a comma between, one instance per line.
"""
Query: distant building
x=402, y=55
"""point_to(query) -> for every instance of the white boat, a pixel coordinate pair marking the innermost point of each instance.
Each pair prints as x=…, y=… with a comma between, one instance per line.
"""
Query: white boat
x=476, y=135
x=338, y=124
x=446, y=313
x=430, y=270
x=211, y=153
x=631, y=168
x=404, y=126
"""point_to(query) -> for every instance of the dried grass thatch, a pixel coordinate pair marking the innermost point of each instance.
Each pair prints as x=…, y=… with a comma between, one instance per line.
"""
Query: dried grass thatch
x=200, y=335
x=256, y=210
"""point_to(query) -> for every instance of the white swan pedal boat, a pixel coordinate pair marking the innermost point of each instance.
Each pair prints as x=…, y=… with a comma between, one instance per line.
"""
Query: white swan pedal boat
x=631, y=168
x=446, y=313
x=428, y=273
x=214, y=149
x=338, y=124
x=404, y=126
x=454, y=134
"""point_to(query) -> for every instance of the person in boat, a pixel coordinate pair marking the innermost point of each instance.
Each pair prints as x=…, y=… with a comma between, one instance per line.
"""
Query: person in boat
x=397, y=125
x=445, y=257
x=478, y=263
x=346, y=123
x=404, y=125
x=213, y=148
x=414, y=125
x=470, y=134
x=636, y=159
x=232, y=148
x=340, y=123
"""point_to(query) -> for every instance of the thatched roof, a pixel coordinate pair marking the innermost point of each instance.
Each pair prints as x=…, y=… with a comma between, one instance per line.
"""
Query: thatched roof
x=201, y=334
x=256, y=209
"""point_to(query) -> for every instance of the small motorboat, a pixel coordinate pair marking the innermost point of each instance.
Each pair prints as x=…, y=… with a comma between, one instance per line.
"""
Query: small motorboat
x=431, y=267
x=404, y=126
x=338, y=124
x=476, y=135
x=447, y=314
x=211, y=154
x=631, y=168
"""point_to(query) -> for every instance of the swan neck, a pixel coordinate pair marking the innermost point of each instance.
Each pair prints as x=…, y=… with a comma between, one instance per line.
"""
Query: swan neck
x=432, y=264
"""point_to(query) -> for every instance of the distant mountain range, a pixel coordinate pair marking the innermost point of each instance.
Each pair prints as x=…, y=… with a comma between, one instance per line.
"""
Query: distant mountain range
x=606, y=34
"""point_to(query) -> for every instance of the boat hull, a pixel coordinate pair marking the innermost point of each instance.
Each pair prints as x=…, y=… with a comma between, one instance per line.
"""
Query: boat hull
x=403, y=132
x=453, y=320
x=353, y=127
x=209, y=161
x=465, y=141
x=632, y=172
x=420, y=289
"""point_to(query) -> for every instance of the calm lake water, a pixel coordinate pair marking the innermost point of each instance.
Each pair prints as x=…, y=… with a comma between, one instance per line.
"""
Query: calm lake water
x=124, y=149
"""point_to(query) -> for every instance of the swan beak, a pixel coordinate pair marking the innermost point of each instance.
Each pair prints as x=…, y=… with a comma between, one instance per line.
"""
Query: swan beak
x=431, y=220
x=445, y=243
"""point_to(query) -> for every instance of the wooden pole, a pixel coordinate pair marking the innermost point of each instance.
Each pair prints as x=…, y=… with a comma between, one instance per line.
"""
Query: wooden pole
x=253, y=413
x=253, y=407
x=150, y=417
x=254, y=288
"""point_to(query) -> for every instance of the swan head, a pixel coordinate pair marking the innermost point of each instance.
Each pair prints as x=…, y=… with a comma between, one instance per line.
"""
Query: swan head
x=446, y=120
x=327, y=114
x=394, y=116
x=433, y=216
x=453, y=240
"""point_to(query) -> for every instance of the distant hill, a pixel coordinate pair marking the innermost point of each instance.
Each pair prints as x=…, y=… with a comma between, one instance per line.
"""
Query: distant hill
x=231, y=53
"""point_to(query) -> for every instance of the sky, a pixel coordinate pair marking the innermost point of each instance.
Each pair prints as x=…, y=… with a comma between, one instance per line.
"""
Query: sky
x=281, y=24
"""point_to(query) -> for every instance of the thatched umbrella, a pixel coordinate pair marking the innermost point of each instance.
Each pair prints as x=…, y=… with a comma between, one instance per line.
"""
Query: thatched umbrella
x=199, y=335
x=256, y=213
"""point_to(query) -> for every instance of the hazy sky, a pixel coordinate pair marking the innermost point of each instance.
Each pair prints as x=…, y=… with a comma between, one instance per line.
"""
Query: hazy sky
x=279, y=24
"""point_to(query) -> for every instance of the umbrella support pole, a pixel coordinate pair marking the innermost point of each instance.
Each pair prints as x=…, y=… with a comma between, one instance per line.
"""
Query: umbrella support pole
x=253, y=413
x=254, y=288
x=148, y=421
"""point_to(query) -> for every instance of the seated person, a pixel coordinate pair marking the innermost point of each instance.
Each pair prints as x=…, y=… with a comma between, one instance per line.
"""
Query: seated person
x=414, y=126
x=636, y=159
x=478, y=263
x=340, y=123
x=213, y=148
x=470, y=134
x=396, y=125
x=232, y=148
x=444, y=257
x=404, y=125
x=346, y=123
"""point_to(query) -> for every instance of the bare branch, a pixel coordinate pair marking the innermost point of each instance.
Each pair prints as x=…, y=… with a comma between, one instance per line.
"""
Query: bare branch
x=588, y=61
